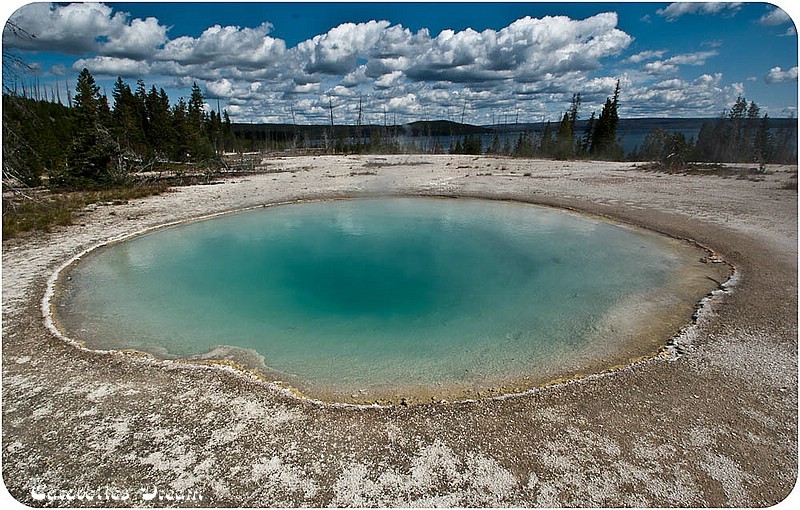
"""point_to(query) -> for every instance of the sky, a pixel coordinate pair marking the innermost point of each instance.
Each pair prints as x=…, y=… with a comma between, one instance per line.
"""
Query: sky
x=480, y=63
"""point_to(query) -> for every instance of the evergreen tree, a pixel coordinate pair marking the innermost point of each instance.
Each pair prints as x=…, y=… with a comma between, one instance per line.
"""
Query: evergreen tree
x=706, y=141
x=91, y=157
x=785, y=143
x=180, y=127
x=604, y=138
x=494, y=146
x=586, y=142
x=160, y=130
x=763, y=143
x=507, y=147
x=546, y=144
x=196, y=126
x=739, y=135
x=750, y=132
x=227, y=132
x=37, y=135
x=564, y=139
x=140, y=95
x=573, y=110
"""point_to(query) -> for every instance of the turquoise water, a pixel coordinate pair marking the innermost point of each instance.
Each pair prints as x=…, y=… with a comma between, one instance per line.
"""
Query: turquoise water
x=369, y=297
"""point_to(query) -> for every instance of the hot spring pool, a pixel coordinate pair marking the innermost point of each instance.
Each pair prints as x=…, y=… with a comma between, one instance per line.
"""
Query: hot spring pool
x=382, y=299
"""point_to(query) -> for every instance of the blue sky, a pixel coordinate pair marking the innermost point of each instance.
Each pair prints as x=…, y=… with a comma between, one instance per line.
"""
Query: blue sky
x=490, y=62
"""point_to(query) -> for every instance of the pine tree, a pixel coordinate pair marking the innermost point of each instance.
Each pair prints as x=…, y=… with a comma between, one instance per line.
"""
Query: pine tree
x=179, y=148
x=763, y=143
x=200, y=147
x=546, y=142
x=574, y=110
x=126, y=123
x=90, y=160
x=564, y=140
x=586, y=142
x=750, y=131
x=160, y=132
x=494, y=146
x=604, y=137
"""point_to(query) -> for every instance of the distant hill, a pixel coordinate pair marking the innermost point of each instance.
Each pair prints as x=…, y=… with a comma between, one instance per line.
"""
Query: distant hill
x=443, y=128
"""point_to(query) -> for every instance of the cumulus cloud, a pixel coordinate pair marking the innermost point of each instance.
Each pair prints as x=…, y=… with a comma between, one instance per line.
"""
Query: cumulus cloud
x=229, y=45
x=406, y=104
x=113, y=66
x=389, y=81
x=337, y=51
x=526, y=50
x=777, y=75
x=675, y=10
x=704, y=95
x=356, y=77
x=139, y=39
x=84, y=27
x=221, y=88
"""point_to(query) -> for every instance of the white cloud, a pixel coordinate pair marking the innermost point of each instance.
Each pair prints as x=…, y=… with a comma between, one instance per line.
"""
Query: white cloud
x=644, y=55
x=308, y=88
x=675, y=10
x=659, y=67
x=337, y=51
x=406, y=104
x=694, y=59
x=391, y=80
x=775, y=16
x=526, y=50
x=84, y=27
x=357, y=77
x=706, y=95
x=139, y=39
x=113, y=66
x=342, y=91
x=777, y=75
x=220, y=88
x=229, y=45
x=671, y=64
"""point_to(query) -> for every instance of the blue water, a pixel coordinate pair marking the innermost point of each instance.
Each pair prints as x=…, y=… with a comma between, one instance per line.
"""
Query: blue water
x=369, y=296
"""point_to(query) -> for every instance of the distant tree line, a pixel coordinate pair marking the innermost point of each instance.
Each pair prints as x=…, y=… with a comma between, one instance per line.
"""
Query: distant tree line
x=598, y=141
x=92, y=144
x=739, y=135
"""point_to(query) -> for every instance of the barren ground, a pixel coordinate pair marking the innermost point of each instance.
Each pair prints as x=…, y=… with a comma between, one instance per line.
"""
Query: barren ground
x=716, y=426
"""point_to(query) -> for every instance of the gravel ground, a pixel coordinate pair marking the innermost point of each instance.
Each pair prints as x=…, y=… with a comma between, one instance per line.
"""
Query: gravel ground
x=715, y=425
